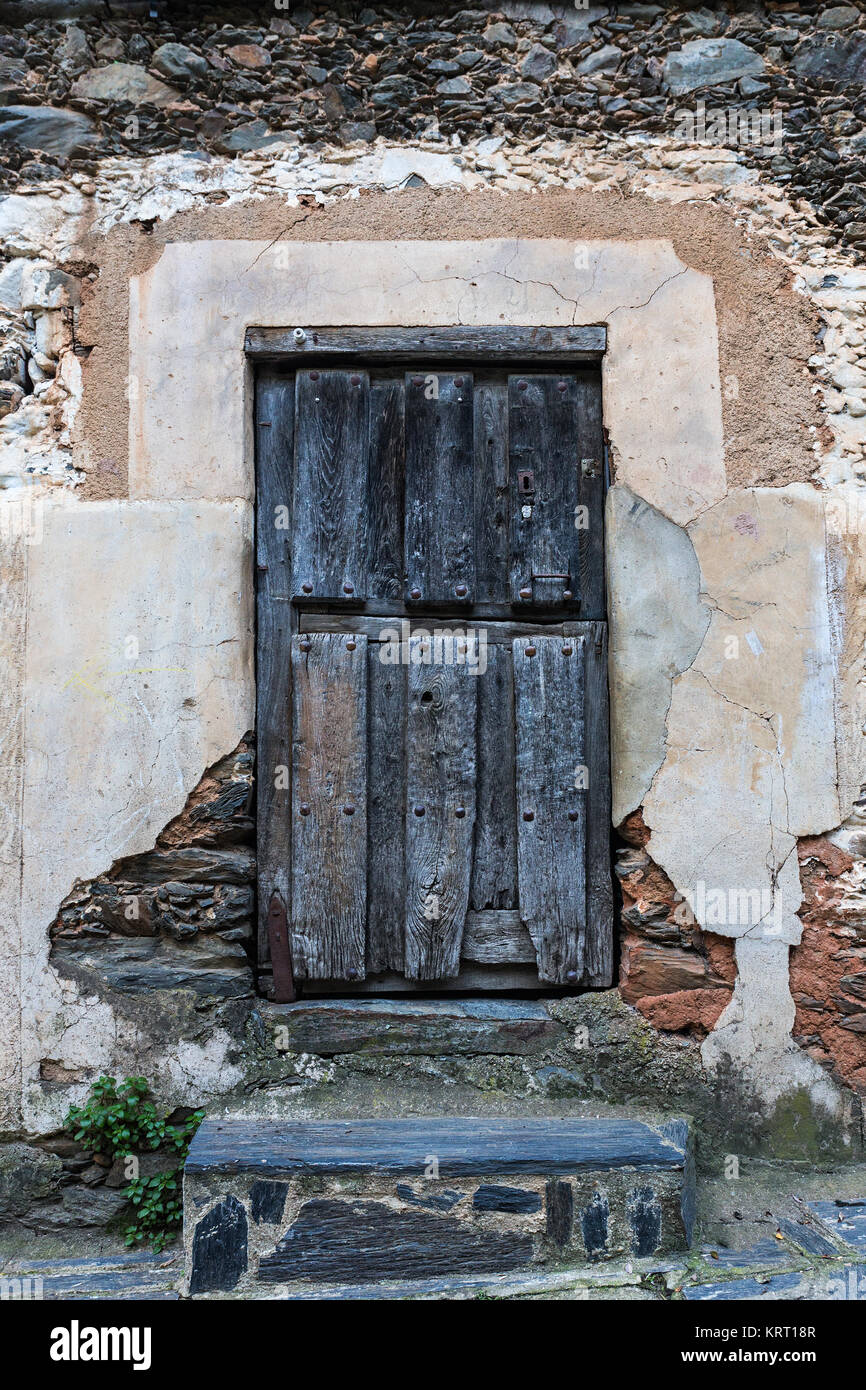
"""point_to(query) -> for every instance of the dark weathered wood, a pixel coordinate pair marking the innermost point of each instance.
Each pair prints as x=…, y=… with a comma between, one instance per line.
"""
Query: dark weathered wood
x=408, y=344
x=463, y=1146
x=494, y=867
x=497, y=938
x=551, y=812
x=386, y=811
x=329, y=806
x=492, y=500
x=440, y=812
x=389, y=627
x=385, y=498
x=591, y=489
x=599, y=875
x=543, y=440
x=333, y=1240
x=329, y=539
x=429, y=1027
x=275, y=418
x=440, y=508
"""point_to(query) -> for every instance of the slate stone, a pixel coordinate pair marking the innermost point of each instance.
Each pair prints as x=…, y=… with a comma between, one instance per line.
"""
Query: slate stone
x=219, y=1248
x=253, y=135
x=559, y=1207
x=708, y=63
x=594, y=1221
x=833, y=58
x=333, y=1240
x=644, y=1212
x=491, y=1197
x=189, y=865
x=436, y=1201
x=351, y=131
x=27, y=1175
x=495, y=1146
x=606, y=59
x=123, y=82
x=518, y=1027
x=268, y=1201
x=13, y=79
x=53, y=129
x=538, y=63
x=208, y=966
x=78, y=1206
x=454, y=87
x=806, y=1238
x=777, y=1286
x=74, y=53
x=847, y=1220
x=179, y=63
x=837, y=17
x=515, y=93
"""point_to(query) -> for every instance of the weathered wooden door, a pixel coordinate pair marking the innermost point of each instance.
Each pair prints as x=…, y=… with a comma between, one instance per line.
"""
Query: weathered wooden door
x=433, y=803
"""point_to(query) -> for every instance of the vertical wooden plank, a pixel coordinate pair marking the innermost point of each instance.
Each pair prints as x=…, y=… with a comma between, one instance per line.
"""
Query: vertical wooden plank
x=440, y=809
x=591, y=493
x=329, y=542
x=543, y=441
x=329, y=805
x=492, y=501
x=551, y=811
x=494, y=864
x=440, y=488
x=385, y=499
x=274, y=428
x=599, y=869
x=386, y=811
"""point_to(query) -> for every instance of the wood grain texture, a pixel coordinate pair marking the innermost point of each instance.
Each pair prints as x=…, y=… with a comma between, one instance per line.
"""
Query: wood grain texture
x=386, y=893
x=440, y=812
x=330, y=541
x=543, y=439
x=492, y=499
x=599, y=855
x=440, y=490
x=591, y=489
x=385, y=498
x=551, y=812
x=381, y=628
x=497, y=938
x=275, y=418
x=402, y=344
x=494, y=866
x=329, y=806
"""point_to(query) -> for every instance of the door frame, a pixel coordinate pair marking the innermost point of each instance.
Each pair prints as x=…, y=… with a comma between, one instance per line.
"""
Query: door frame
x=276, y=618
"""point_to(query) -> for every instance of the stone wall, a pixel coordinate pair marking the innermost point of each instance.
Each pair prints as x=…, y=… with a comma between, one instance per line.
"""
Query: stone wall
x=234, y=155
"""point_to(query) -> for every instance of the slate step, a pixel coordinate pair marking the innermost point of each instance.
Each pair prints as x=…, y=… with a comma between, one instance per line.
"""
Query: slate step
x=269, y=1206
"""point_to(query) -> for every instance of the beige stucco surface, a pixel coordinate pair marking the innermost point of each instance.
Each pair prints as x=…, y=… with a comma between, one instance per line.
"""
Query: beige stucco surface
x=138, y=675
x=188, y=314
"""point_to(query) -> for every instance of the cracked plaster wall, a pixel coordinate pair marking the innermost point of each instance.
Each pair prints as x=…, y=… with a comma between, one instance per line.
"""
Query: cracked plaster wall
x=719, y=561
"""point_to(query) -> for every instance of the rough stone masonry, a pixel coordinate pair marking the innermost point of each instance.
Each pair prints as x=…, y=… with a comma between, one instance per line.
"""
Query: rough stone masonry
x=169, y=180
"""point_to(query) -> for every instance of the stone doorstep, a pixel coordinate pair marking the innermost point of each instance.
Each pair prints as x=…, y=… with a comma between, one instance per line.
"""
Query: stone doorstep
x=269, y=1207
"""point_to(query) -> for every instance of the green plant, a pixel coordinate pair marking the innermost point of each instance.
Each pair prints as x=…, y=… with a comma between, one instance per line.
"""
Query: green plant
x=115, y=1121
